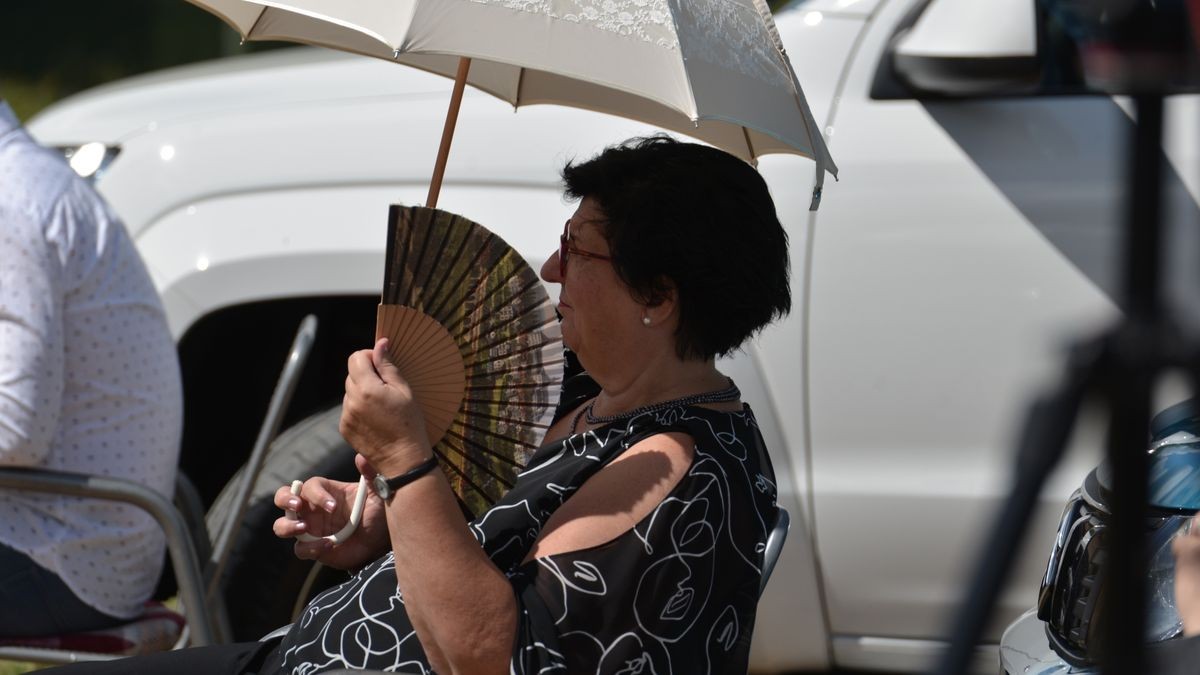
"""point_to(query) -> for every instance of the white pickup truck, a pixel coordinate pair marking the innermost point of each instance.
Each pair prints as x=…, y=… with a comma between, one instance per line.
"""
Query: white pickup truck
x=935, y=288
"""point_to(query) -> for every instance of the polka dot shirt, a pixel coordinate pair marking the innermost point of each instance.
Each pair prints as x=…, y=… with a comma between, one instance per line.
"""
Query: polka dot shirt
x=89, y=378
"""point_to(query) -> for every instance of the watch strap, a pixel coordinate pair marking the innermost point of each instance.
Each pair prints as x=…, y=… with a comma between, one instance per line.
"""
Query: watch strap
x=409, y=476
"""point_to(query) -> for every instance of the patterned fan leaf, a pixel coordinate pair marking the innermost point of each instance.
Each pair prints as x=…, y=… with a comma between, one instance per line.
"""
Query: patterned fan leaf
x=492, y=306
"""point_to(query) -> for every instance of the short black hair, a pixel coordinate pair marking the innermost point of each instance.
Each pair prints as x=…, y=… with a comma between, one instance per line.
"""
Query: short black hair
x=698, y=219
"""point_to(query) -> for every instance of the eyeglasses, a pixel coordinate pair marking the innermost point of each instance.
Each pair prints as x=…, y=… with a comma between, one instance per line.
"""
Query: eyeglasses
x=565, y=250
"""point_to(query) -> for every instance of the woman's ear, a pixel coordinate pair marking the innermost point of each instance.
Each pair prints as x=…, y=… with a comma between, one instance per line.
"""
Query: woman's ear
x=661, y=308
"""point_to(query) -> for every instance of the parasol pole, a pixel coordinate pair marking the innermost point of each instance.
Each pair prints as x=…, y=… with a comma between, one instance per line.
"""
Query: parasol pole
x=439, y=169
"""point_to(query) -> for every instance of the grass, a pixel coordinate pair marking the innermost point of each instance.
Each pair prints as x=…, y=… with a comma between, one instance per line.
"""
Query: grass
x=27, y=97
x=18, y=667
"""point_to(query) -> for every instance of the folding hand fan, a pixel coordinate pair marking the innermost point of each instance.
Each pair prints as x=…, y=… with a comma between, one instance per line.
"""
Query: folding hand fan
x=473, y=331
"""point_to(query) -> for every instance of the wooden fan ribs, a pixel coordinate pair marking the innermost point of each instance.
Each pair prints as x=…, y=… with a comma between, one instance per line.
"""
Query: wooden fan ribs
x=429, y=359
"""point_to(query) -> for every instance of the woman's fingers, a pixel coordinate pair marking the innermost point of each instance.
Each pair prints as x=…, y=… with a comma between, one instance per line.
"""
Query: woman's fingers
x=286, y=528
x=311, y=550
x=364, y=467
x=317, y=495
x=314, y=492
x=361, y=369
x=284, y=499
x=314, y=498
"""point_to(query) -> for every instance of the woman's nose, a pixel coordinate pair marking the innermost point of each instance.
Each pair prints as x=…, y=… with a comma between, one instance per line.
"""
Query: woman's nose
x=550, y=269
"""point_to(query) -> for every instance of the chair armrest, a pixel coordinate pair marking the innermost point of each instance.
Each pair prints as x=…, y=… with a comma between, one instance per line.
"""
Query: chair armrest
x=775, y=539
x=183, y=552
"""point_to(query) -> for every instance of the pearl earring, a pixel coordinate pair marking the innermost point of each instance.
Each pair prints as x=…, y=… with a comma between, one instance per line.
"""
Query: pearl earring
x=645, y=321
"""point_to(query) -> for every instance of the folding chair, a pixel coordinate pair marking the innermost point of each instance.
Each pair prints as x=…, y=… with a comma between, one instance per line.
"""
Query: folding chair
x=198, y=564
x=775, y=539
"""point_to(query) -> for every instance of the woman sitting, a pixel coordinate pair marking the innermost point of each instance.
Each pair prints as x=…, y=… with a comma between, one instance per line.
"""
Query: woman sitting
x=633, y=542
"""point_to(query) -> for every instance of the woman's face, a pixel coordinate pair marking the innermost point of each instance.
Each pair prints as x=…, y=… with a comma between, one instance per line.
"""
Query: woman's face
x=599, y=316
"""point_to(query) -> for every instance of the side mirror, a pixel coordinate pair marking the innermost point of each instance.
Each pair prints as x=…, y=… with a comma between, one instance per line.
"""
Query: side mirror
x=969, y=48
x=985, y=48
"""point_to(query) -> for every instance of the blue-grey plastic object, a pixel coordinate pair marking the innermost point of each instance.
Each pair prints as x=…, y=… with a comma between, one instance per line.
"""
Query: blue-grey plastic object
x=1175, y=467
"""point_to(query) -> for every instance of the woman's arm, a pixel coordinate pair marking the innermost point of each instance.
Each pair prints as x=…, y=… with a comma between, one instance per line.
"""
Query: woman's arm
x=460, y=604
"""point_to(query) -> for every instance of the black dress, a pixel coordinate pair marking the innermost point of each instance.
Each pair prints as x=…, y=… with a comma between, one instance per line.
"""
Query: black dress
x=676, y=594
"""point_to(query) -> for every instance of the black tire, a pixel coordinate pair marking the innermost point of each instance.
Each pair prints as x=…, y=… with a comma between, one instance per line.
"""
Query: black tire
x=263, y=579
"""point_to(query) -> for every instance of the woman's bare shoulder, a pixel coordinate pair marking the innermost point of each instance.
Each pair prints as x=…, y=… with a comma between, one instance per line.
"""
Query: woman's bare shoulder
x=619, y=496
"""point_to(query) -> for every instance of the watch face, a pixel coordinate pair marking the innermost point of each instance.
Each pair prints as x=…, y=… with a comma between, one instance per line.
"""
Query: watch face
x=381, y=487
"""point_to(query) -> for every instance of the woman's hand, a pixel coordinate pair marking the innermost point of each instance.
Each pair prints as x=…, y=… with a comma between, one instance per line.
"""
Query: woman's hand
x=380, y=417
x=323, y=507
x=1187, y=577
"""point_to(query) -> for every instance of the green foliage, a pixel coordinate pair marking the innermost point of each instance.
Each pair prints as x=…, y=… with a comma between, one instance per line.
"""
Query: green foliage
x=17, y=667
x=27, y=97
x=49, y=50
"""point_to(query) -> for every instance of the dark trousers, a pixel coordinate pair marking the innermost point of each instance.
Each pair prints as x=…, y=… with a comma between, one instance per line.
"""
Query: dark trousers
x=35, y=602
x=241, y=658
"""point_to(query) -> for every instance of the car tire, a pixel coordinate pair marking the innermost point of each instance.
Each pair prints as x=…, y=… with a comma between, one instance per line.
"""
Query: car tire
x=264, y=581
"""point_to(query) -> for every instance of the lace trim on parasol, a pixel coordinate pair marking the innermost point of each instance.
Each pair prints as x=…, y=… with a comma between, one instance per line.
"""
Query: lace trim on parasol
x=726, y=33
x=646, y=20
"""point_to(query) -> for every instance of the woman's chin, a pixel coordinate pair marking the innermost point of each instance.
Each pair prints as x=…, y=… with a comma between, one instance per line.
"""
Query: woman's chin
x=568, y=337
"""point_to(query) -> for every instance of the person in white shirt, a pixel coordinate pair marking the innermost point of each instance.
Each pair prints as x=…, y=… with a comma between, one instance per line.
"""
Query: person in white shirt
x=89, y=383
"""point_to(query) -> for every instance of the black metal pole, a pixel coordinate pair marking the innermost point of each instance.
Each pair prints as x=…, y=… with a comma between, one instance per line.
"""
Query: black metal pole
x=1143, y=213
x=1123, y=365
x=1130, y=391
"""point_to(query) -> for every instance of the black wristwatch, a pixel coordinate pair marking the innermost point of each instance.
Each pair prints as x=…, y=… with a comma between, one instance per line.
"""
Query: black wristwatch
x=386, y=487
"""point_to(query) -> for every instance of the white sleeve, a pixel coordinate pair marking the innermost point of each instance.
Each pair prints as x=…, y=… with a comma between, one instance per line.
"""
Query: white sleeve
x=31, y=335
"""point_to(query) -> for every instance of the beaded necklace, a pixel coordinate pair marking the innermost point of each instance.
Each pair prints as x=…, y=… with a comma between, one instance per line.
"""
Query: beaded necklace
x=730, y=393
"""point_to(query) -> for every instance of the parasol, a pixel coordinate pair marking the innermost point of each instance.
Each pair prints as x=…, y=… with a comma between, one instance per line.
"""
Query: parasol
x=715, y=70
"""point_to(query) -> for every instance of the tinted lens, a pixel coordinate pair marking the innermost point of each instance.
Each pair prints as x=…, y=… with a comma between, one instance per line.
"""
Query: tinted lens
x=562, y=249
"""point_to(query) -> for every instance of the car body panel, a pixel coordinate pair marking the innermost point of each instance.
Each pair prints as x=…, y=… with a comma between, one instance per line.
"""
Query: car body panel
x=919, y=368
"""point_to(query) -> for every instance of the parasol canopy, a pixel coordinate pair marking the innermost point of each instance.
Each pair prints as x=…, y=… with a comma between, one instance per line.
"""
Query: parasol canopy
x=714, y=70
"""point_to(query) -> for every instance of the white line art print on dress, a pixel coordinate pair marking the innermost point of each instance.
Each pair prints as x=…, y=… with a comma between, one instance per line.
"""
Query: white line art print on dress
x=675, y=594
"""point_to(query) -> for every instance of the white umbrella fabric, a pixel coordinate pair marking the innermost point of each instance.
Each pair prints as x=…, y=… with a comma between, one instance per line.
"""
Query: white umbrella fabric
x=714, y=70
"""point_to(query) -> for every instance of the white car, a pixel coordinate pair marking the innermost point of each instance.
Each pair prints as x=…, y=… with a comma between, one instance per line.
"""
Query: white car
x=934, y=291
